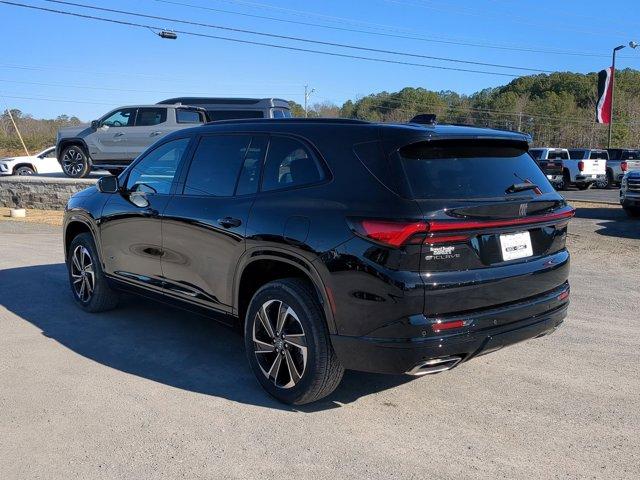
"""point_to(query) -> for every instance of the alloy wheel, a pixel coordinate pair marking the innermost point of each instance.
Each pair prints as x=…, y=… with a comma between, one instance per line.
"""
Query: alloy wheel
x=280, y=344
x=82, y=273
x=73, y=162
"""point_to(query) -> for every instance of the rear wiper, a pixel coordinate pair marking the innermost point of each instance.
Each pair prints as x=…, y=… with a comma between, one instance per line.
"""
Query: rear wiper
x=521, y=187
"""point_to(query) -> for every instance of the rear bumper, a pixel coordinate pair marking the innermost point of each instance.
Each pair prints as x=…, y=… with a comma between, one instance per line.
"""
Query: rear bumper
x=584, y=179
x=486, y=331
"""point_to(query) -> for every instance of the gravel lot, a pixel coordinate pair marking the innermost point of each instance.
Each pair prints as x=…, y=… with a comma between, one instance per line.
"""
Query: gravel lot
x=151, y=392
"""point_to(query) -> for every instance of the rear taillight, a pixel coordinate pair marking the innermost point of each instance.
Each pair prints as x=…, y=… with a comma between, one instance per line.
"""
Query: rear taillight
x=581, y=165
x=450, y=325
x=389, y=232
x=624, y=166
x=398, y=233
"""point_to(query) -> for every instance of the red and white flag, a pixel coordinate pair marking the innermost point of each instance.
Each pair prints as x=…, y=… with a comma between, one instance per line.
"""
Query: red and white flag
x=605, y=86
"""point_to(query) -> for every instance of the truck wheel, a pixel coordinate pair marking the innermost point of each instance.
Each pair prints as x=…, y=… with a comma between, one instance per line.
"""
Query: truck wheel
x=75, y=162
x=288, y=345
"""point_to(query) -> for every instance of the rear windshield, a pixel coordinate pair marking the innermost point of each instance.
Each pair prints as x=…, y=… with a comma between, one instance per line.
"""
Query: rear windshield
x=535, y=154
x=576, y=154
x=598, y=155
x=632, y=155
x=558, y=155
x=234, y=114
x=477, y=170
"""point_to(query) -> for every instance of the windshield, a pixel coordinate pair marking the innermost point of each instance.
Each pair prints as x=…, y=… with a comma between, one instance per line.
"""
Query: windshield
x=476, y=170
x=598, y=155
x=558, y=155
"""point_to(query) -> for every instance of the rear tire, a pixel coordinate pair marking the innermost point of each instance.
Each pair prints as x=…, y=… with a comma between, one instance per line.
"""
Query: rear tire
x=75, y=162
x=296, y=364
x=89, y=286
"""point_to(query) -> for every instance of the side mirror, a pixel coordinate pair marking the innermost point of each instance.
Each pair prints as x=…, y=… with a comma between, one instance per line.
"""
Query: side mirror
x=95, y=124
x=108, y=184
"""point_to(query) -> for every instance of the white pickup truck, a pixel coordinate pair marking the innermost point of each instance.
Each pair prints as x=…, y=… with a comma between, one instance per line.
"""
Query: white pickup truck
x=586, y=166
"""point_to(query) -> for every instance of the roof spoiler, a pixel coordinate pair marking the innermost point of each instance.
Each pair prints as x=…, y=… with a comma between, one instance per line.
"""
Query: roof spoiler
x=425, y=119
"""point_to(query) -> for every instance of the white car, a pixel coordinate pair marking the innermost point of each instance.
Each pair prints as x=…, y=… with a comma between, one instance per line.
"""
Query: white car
x=43, y=162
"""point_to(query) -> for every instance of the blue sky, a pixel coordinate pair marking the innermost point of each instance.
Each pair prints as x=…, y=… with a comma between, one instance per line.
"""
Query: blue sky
x=53, y=64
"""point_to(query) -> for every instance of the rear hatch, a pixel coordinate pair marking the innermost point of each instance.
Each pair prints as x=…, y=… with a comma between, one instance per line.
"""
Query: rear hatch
x=494, y=228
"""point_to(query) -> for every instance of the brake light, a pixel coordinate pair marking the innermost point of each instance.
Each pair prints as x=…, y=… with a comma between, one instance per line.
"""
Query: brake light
x=624, y=166
x=563, y=296
x=392, y=233
x=398, y=233
x=452, y=325
x=581, y=165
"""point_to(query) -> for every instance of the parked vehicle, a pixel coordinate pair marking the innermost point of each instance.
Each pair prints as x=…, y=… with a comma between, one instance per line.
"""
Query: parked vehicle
x=551, y=162
x=113, y=141
x=235, y=108
x=618, y=163
x=43, y=162
x=630, y=165
x=587, y=166
x=630, y=193
x=333, y=244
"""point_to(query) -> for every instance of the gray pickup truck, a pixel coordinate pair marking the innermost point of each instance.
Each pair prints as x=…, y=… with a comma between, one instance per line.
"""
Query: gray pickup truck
x=618, y=162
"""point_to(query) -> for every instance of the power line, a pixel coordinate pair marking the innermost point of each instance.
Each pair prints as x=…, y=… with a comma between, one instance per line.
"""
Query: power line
x=263, y=44
x=299, y=39
x=451, y=41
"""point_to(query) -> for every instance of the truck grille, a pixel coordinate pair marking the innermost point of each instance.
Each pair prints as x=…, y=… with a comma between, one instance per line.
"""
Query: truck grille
x=633, y=184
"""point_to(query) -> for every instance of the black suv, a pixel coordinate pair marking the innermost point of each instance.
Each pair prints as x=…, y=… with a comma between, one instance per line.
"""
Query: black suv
x=333, y=244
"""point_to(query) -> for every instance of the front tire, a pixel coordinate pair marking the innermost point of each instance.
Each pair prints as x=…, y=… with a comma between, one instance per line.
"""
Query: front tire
x=75, y=162
x=24, y=171
x=88, y=284
x=287, y=343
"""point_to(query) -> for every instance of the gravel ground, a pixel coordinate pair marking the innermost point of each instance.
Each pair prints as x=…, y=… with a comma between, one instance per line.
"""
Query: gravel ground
x=151, y=392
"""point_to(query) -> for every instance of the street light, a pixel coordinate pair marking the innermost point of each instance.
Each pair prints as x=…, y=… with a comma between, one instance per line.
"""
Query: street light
x=633, y=45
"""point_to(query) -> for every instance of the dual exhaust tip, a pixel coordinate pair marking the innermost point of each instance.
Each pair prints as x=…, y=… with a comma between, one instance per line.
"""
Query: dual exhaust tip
x=435, y=365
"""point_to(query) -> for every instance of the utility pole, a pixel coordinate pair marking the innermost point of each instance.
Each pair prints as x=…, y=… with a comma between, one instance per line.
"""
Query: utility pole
x=307, y=94
x=17, y=131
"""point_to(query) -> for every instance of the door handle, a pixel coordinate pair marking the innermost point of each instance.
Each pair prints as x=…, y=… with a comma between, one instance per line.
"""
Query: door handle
x=119, y=134
x=155, y=134
x=228, y=222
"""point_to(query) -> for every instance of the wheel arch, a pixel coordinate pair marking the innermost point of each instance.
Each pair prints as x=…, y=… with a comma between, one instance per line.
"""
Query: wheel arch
x=67, y=142
x=259, y=268
x=74, y=227
x=24, y=164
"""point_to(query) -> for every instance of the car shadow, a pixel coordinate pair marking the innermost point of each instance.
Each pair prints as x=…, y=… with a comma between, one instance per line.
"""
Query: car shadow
x=158, y=342
x=614, y=222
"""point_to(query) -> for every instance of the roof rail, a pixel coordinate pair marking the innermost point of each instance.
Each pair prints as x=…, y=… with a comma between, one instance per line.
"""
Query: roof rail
x=348, y=121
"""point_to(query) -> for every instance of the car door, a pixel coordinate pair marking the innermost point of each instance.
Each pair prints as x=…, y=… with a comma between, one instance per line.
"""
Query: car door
x=204, y=224
x=111, y=137
x=151, y=124
x=47, y=161
x=131, y=219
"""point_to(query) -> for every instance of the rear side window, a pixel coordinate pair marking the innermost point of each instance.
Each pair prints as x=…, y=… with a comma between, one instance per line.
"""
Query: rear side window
x=448, y=170
x=189, y=116
x=290, y=164
x=216, y=165
x=598, y=155
x=281, y=113
x=148, y=117
x=234, y=114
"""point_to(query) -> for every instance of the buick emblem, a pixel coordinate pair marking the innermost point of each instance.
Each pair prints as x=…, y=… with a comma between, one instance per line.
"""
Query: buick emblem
x=523, y=209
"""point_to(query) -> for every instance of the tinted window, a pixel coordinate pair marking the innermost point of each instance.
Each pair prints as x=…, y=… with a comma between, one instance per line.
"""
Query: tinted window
x=575, y=154
x=148, y=117
x=155, y=172
x=51, y=153
x=536, y=154
x=631, y=155
x=558, y=155
x=477, y=170
x=121, y=118
x=290, y=164
x=189, y=116
x=216, y=165
x=281, y=113
x=250, y=173
x=598, y=155
x=233, y=114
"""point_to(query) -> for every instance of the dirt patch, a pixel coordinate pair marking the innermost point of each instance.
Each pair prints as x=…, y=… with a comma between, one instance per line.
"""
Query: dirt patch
x=48, y=217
